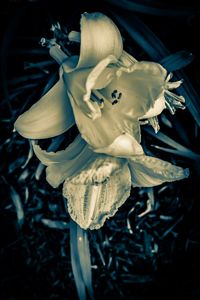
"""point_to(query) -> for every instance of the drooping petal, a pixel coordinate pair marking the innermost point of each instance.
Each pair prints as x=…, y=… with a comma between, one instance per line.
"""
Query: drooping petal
x=49, y=117
x=90, y=205
x=66, y=163
x=149, y=171
x=70, y=153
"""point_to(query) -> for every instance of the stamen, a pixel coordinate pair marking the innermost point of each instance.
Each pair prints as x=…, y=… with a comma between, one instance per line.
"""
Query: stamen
x=170, y=108
x=173, y=101
x=154, y=123
x=97, y=97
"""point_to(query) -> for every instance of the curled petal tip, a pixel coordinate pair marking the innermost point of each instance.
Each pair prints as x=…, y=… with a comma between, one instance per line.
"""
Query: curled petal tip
x=100, y=37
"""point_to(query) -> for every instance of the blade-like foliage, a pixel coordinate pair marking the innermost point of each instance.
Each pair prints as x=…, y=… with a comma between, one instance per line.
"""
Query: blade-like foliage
x=177, y=61
x=155, y=7
x=178, y=148
x=80, y=260
x=75, y=261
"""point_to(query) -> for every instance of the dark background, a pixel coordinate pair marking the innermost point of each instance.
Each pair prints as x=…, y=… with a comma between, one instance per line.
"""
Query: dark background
x=160, y=259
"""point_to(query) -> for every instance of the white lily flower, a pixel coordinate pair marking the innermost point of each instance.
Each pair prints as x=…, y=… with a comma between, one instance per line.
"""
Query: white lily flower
x=107, y=93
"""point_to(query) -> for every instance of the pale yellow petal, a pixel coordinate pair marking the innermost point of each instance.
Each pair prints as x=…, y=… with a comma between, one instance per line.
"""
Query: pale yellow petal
x=75, y=84
x=82, y=83
x=124, y=145
x=100, y=37
x=147, y=171
x=158, y=107
x=90, y=205
x=70, y=153
x=100, y=45
x=100, y=76
x=140, y=85
x=67, y=163
x=99, y=170
x=49, y=117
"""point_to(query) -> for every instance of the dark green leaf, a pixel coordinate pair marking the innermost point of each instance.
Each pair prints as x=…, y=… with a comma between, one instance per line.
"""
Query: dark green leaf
x=80, y=260
x=177, y=60
x=155, y=8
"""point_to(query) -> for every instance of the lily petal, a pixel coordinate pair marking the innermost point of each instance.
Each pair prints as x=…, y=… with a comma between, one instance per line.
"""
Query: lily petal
x=100, y=37
x=157, y=109
x=90, y=205
x=99, y=170
x=123, y=146
x=100, y=77
x=100, y=42
x=147, y=171
x=49, y=117
x=66, y=163
x=81, y=83
x=140, y=85
x=49, y=157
